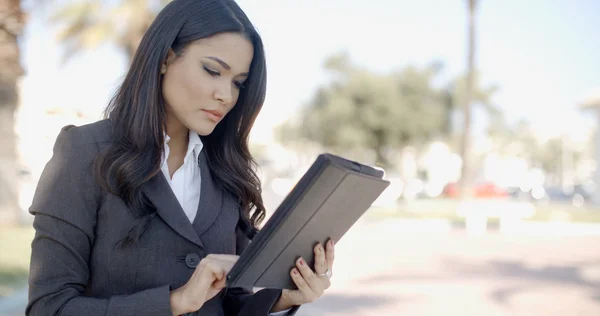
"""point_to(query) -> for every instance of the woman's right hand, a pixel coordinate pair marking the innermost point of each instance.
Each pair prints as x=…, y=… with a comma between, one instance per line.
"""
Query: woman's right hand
x=208, y=280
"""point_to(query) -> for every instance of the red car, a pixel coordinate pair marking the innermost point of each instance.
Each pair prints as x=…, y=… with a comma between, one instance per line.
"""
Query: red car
x=480, y=190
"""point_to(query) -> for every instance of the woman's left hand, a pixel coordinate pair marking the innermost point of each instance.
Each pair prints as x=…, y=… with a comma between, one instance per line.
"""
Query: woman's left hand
x=311, y=283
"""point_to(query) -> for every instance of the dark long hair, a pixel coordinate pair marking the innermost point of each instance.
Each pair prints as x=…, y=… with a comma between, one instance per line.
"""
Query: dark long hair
x=138, y=115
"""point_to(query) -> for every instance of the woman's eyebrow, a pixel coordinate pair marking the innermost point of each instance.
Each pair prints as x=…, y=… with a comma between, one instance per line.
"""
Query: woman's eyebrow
x=223, y=64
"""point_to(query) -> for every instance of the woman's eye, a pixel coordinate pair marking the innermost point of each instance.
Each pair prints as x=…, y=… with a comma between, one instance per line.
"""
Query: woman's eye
x=239, y=84
x=211, y=72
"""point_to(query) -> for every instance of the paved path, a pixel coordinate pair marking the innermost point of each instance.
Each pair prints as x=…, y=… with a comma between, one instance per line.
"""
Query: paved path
x=383, y=269
x=408, y=268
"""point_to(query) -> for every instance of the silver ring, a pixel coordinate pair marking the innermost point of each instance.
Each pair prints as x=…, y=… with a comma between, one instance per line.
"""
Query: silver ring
x=326, y=274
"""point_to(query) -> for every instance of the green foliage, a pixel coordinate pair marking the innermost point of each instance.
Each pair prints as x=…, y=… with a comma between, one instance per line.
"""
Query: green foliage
x=87, y=25
x=518, y=139
x=361, y=109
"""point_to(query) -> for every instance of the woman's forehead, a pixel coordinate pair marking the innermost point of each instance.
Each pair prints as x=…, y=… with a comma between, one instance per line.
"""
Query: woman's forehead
x=232, y=48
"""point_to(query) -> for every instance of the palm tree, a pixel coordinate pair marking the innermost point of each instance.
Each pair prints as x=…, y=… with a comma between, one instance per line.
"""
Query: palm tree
x=11, y=23
x=466, y=144
x=89, y=24
x=454, y=96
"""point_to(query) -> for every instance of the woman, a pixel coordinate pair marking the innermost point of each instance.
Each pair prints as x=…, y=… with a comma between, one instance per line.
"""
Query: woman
x=144, y=213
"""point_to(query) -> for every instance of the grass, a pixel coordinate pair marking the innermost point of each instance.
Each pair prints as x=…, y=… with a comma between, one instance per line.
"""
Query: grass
x=569, y=213
x=15, y=252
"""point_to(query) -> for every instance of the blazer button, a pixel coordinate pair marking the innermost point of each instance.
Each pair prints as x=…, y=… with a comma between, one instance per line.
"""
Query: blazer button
x=192, y=260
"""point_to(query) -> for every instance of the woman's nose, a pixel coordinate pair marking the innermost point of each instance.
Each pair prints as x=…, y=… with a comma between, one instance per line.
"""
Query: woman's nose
x=223, y=94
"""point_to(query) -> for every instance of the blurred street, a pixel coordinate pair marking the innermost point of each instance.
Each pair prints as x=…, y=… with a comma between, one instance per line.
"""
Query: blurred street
x=400, y=267
x=382, y=270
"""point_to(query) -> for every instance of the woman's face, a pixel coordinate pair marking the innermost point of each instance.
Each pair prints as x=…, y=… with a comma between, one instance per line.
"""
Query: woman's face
x=201, y=86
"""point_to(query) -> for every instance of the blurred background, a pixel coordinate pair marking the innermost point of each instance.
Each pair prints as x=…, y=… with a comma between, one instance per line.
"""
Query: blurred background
x=483, y=113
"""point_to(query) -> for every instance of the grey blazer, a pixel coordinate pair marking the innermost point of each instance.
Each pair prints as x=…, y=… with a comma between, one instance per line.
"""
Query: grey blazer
x=77, y=267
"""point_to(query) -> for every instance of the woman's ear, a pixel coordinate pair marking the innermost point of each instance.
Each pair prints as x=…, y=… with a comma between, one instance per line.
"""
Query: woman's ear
x=170, y=58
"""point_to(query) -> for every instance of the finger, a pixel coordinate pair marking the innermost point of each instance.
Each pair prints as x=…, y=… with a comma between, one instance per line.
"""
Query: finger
x=330, y=253
x=225, y=261
x=310, y=277
x=219, y=275
x=210, y=273
x=223, y=257
x=213, y=269
x=326, y=284
x=220, y=282
x=306, y=293
x=320, y=261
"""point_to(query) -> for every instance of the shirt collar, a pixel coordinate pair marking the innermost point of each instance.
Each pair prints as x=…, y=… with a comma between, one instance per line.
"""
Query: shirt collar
x=195, y=145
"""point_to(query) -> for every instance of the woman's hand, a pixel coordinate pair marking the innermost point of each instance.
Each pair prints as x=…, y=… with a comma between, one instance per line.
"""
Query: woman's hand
x=311, y=284
x=208, y=280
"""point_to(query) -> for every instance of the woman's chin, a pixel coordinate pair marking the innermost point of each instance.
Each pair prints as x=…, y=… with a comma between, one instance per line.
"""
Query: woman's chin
x=204, y=129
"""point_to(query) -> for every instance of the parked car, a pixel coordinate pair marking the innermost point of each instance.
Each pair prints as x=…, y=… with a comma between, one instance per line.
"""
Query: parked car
x=576, y=195
x=480, y=190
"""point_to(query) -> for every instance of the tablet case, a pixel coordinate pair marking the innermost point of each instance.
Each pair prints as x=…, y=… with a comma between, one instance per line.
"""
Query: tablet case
x=331, y=196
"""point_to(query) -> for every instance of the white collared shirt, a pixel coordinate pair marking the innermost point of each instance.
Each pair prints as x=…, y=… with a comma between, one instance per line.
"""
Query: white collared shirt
x=186, y=182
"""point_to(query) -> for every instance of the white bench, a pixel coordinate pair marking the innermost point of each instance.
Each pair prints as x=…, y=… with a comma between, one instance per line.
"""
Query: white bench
x=510, y=213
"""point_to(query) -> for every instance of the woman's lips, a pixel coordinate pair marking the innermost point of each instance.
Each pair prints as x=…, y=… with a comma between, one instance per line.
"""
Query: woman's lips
x=214, y=116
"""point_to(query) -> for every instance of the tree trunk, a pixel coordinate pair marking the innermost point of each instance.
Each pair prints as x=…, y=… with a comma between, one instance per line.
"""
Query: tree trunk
x=380, y=157
x=465, y=149
x=11, y=24
x=379, y=148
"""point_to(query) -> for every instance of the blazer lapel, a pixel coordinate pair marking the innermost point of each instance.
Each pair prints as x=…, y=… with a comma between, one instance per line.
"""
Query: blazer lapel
x=211, y=198
x=159, y=192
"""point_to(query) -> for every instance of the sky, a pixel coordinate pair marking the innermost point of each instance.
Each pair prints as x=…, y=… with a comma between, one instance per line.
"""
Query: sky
x=542, y=54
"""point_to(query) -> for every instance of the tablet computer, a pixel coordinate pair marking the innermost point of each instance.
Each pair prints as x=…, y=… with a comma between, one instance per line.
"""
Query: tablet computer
x=329, y=198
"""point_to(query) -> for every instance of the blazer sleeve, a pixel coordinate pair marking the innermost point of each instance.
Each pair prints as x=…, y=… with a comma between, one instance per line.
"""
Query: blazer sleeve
x=242, y=301
x=65, y=205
